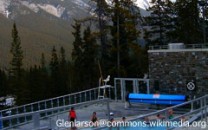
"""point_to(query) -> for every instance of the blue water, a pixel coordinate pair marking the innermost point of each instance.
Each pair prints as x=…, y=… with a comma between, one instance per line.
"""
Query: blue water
x=132, y=128
x=137, y=128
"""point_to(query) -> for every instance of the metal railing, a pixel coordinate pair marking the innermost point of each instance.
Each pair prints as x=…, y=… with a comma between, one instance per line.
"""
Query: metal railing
x=23, y=114
x=186, y=46
x=36, y=116
x=198, y=109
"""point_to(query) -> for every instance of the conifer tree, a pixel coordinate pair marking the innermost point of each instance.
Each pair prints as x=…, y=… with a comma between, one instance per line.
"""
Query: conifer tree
x=3, y=83
x=77, y=58
x=102, y=14
x=17, y=53
x=89, y=59
x=161, y=22
x=63, y=73
x=188, y=24
x=43, y=62
x=17, y=84
x=54, y=68
x=125, y=18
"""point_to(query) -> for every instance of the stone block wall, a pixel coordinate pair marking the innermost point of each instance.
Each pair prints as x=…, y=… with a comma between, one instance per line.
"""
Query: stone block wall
x=174, y=69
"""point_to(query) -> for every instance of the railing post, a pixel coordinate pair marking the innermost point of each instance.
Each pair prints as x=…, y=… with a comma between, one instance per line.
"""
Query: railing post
x=58, y=102
x=115, y=89
x=90, y=95
x=80, y=97
x=69, y=99
x=38, y=105
x=85, y=96
x=94, y=94
x=51, y=104
x=36, y=119
x=109, y=90
x=17, y=112
x=31, y=106
x=205, y=108
x=75, y=99
x=64, y=102
x=24, y=112
x=192, y=106
x=201, y=108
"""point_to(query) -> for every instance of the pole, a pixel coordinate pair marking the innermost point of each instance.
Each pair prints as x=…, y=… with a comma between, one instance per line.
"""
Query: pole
x=108, y=109
x=204, y=25
x=118, y=44
x=118, y=47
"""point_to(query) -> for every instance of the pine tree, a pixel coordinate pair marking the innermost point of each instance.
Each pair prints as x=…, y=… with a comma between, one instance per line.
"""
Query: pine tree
x=125, y=18
x=3, y=83
x=188, y=24
x=89, y=59
x=54, y=68
x=17, y=53
x=77, y=58
x=63, y=73
x=17, y=84
x=77, y=44
x=43, y=62
x=161, y=22
x=102, y=14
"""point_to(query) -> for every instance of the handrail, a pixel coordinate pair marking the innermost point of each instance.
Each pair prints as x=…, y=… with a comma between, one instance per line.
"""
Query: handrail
x=48, y=99
x=37, y=113
x=48, y=104
x=168, y=108
x=186, y=46
x=53, y=109
x=172, y=107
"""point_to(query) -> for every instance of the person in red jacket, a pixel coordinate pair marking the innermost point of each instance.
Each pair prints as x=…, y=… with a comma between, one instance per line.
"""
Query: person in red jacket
x=72, y=116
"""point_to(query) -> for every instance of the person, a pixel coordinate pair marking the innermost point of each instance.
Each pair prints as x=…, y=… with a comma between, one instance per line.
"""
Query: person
x=160, y=117
x=127, y=100
x=94, y=119
x=147, y=121
x=170, y=114
x=72, y=116
x=123, y=119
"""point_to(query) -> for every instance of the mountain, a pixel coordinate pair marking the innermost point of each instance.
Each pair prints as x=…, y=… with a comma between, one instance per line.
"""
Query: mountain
x=42, y=24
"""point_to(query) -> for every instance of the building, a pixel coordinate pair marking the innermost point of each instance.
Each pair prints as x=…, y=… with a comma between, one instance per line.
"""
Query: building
x=179, y=68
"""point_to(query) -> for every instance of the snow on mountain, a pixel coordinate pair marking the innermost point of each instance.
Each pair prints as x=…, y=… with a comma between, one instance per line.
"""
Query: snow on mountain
x=81, y=3
x=31, y=6
x=144, y=4
x=4, y=4
x=57, y=10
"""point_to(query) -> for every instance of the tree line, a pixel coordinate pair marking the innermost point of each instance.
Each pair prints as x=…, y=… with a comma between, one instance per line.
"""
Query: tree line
x=107, y=43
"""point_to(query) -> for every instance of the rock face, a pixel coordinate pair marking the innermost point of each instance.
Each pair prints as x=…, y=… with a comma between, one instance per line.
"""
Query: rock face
x=175, y=69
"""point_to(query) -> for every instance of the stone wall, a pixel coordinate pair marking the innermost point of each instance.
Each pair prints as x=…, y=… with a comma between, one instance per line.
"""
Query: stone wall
x=175, y=69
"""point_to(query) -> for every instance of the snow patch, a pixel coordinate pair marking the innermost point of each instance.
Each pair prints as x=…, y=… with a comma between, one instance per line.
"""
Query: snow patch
x=31, y=6
x=81, y=3
x=144, y=4
x=4, y=4
x=56, y=11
